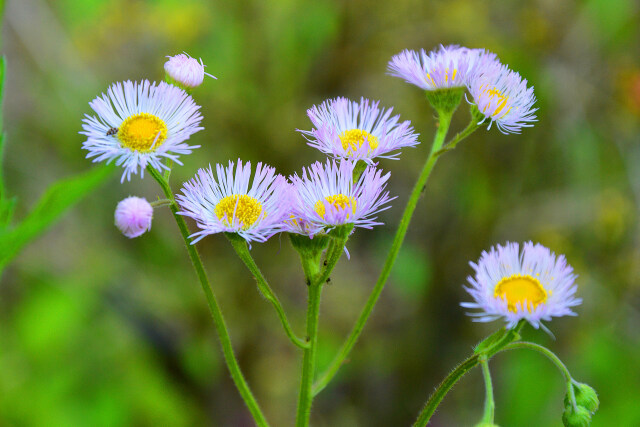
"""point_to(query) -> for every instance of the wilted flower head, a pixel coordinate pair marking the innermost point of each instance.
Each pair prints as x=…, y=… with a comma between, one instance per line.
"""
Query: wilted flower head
x=326, y=196
x=185, y=70
x=502, y=96
x=133, y=216
x=447, y=67
x=140, y=124
x=533, y=284
x=358, y=131
x=227, y=203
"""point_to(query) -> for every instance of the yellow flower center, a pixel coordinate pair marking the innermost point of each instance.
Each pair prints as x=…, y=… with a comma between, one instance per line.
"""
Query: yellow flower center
x=245, y=208
x=340, y=201
x=501, y=101
x=520, y=288
x=354, y=138
x=142, y=132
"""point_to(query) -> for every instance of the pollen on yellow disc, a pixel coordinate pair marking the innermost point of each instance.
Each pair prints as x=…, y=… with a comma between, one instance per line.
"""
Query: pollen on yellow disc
x=520, y=288
x=340, y=201
x=245, y=208
x=142, y=132
x=354, y=138
x=501, y=98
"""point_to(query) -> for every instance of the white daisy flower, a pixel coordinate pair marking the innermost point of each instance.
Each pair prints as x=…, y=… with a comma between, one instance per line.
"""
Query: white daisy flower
x=447, y=67
x=227, y=204
x=358, y=131
x=326, y=196
x=502, y=96
x=140, y=124
x=533, y=284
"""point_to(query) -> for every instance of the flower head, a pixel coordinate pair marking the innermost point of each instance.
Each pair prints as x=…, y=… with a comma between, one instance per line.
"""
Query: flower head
x=358, y=131
x=502, y=96
x=448, y=67
x=140, y=124
x=185, y=70
x=326, y=196
x=133, y=216
x=227, y=203
x=533, y=284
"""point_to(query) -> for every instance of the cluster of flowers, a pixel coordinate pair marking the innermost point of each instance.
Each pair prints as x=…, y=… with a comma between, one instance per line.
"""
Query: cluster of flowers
x=142, y=124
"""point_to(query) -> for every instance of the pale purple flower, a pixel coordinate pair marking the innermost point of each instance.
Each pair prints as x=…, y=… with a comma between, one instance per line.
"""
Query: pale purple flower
x=447, y=67
x=140, y=124
x=133, y=216
x=533, y=284
x=502, y=96
x=358, y=131
x=226, y=203
x=185, y=70
x=325, y=196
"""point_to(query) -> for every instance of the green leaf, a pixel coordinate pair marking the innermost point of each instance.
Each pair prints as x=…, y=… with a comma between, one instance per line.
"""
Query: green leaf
x=56, y=200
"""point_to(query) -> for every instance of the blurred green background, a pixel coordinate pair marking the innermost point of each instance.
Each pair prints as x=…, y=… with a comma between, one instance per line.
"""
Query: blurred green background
x=99, y=330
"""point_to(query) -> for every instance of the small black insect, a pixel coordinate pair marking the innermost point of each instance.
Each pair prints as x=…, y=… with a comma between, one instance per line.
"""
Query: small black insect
x=112, y=131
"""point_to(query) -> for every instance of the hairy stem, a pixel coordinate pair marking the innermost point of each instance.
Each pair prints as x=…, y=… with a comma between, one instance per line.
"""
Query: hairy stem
x=325, y=378
x=489, y=404
x=444, y=387
x=240, y=246
x=216, y=313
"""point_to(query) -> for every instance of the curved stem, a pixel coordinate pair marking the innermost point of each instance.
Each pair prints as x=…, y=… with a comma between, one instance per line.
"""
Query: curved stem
x=325, y=378
x=543, y=350
x=216, y=313
x=240, y=246
x=489, y=405
x=444, y=387
x=553, y=358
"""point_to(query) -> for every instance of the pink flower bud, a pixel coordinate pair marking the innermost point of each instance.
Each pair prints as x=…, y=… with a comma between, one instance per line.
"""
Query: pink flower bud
x=133, y=216
x=185, y=70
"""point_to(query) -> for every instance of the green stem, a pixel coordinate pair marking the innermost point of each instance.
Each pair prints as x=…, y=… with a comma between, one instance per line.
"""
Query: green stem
x=305, y=397
x=489, y=405
x=325, y=378
x=240, y=246
x=471, y=127
x=216, y=313
x=553, y=358
x=543, y=350
x=444, y=387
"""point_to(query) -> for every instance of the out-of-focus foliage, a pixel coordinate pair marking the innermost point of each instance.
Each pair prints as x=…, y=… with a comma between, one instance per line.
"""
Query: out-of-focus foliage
x=97, y=329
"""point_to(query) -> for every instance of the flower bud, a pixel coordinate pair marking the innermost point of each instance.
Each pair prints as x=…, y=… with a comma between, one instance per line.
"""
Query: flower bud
x=185, y=71
x=581, y=417
x=586, y=397
x=133, y=216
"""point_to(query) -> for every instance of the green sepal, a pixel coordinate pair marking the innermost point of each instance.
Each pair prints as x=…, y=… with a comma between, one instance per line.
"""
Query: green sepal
x=307, y=246
x=341, y=232
x=171, y=81
x=476, y=115
x=576, y=417
x=359, y=169
x=445, y=101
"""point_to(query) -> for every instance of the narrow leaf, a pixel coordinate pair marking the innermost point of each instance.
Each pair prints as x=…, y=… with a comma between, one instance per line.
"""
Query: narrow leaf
x=56, y=200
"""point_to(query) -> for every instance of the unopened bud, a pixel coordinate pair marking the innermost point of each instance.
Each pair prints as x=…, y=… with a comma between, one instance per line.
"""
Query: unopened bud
x=185, y=71
x=578, y=417
x=133, y=216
